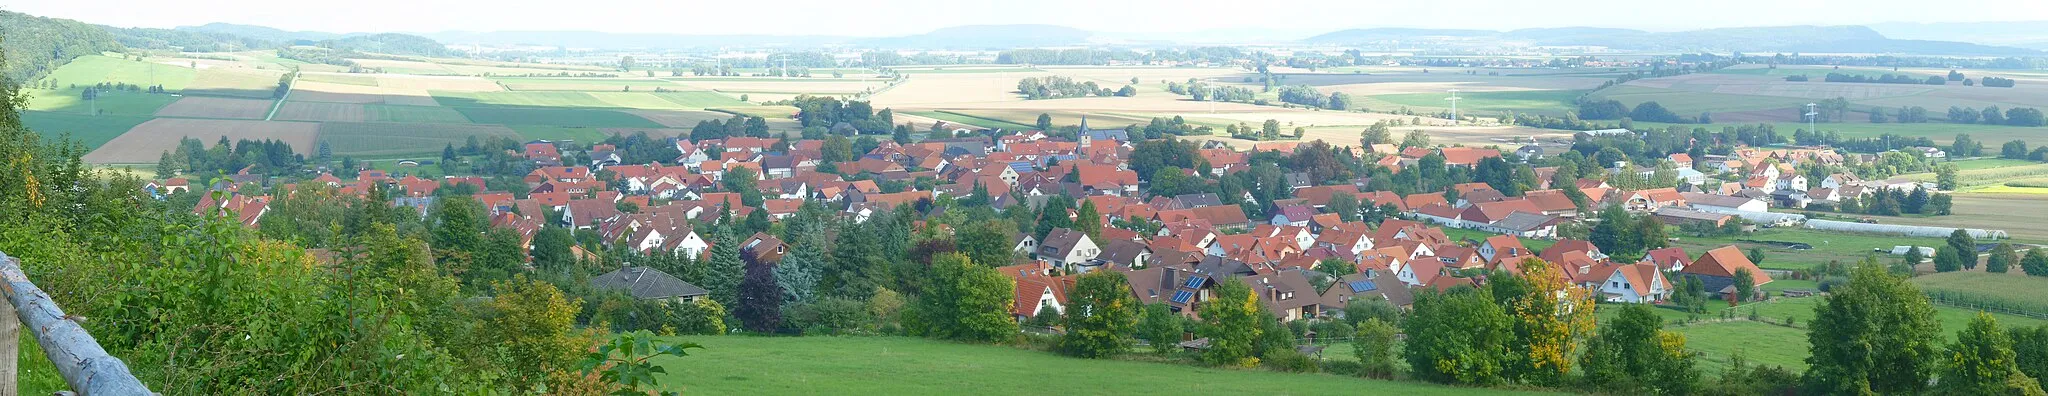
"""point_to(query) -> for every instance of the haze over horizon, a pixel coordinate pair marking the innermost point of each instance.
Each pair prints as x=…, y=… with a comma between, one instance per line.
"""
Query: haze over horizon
x=905, y=17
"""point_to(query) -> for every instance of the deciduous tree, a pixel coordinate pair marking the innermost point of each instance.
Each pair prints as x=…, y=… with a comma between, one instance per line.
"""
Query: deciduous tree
x=1101, y=314
x=1875, y=334
x=1230, y=321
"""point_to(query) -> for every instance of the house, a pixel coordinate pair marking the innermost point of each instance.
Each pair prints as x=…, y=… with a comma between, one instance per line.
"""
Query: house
x=1529, y=152
x=1361, y=286
x=1669, y=259
x=1497, y=247
x=765, y=248
x=1717, y=268
x=645, y=283
x=1287, y=294
x=1069, y=249
x=1125, y=253
x=1634, y=283
x=1037, y=290
x=1023, y=243
x=1293, y=216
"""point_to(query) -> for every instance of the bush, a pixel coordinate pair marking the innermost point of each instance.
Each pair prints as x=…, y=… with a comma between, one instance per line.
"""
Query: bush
x=1290, y=361
x=828, y=316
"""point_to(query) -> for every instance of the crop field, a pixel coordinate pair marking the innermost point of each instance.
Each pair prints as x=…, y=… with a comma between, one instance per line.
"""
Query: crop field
x=109, y=103
x=792, y=86
x=2020, y=215
x=93, y=69
x=1691, y=103
x=518, y=99
x=559, y=133
x=91, y=131
x=852, y=365
x=636, y=100
x=1942, y=133
x=702, y=100
x=1755, y=89
x=1480, y=103
x=321, y=111
x=2009, y=288
x=211, y=107
x=437, y=83
x=568, y=117
x=679, y=118
x=651, y=132
x=313, y=91
x=147, y=141
x=402, y=113
x=243, y=83
x=379, y=139
x=583, y=84
x=1990, y=176
x=962, y=69
x=772, y=113
x=931, y=117
x=350, y=79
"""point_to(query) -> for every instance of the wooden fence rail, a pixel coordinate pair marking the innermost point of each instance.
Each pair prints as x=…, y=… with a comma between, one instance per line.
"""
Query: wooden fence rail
x=87, y=368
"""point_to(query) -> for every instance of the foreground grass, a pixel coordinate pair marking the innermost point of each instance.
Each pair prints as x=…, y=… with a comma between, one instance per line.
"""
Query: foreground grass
x=911, y=366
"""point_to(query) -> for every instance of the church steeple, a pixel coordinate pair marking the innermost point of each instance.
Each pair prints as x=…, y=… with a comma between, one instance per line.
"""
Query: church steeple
x=1084, y=123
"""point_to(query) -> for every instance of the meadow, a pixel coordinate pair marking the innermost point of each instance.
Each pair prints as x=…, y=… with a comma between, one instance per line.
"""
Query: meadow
x=910, y=366
x=71, y=101
x=1552, y=103
x=88, y=130
x=1827, y=246
x=569, y=117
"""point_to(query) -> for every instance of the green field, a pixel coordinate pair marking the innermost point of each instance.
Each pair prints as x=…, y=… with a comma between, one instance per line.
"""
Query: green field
x=951, y=70
x=1536, y=102
x=910, y=366
x=1816, y=73
x=569, y=117
x=88, y=130
x=1942, y=133
x=551, y=132
x=1690, y=103
x=93, y=69
x=1477, y=235
x=768, y=112
x=701, y=99
x=403, y=113
x=108, y=103
x=517, y=99
x=390, y=139
x=2022, y=292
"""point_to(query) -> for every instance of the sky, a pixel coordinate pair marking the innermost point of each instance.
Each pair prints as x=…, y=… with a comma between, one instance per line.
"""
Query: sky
x=874, y=18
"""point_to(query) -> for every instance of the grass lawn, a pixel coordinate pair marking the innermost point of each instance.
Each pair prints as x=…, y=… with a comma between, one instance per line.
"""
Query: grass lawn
x=88, y=130
x=910, y=366
x=594, y=118
x=403, y=113
x=1476, y=235
x=1760, y=343
x=1540, y=102
x=1827, y=246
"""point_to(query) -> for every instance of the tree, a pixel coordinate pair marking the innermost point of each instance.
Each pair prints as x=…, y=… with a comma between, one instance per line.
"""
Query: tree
x=2002, y=258
x=2030, y=349
x=1231, y=323
x=1376, y=307
x=2036, y=262
x=1044, y=122
x=1613, y=233
x=534, y=323
x=1550, y=316
x=1335, y=267
x=966, y=302
x=1160, y=328
x=1373, y=345
x=551, y=249
x=724, y=269
x=1965, y=247
x=1088, y=220
x=1874, y=334
x=1415, y=138
x=1458, y=337
x=165, y=168
x=1632, y=354
x=1755, y=255
x=1982, y=362
x=1948, y=260
x=1945, y=177
x=760, y=298
x=801, y=271
x=1101, y=315
x=1745, y=285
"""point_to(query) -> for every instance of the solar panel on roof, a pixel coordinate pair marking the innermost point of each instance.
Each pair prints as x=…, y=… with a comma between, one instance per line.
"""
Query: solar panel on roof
x=1194, y=282
x=1363, y=286
x=1183, y=296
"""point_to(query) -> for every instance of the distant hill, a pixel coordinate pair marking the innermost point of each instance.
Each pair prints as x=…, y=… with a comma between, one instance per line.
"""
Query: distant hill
x=2029, y=34
x=264, y=33
x=986, y=37
x=619, y=41
x=1858, y=39
x=389, y=43
x=55, y=42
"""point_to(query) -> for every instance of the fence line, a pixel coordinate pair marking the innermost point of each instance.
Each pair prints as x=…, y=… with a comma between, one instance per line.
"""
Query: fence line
x=86, y=367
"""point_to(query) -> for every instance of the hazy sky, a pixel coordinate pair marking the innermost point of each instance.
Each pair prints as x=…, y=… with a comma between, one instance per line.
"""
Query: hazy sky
x=898, y=17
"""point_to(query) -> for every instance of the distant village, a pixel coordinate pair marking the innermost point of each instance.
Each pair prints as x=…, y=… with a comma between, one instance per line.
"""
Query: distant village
x=1172, y=248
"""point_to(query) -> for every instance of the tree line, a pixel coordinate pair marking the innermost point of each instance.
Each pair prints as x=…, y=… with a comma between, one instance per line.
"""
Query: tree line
x=1064, y=87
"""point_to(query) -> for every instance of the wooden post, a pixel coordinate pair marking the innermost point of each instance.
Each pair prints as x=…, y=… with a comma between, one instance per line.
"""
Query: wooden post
x=10, y=350
x=86, y=367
